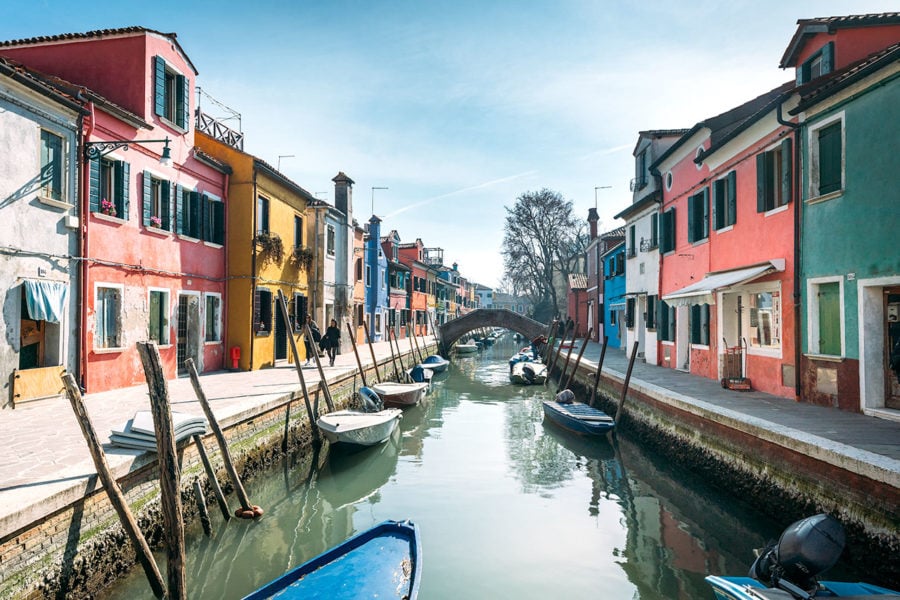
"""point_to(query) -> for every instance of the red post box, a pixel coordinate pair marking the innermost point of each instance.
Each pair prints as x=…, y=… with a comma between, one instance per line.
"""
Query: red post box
x=235, y=356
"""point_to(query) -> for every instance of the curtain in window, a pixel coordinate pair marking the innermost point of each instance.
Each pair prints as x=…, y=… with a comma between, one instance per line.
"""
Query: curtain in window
x=46, y=300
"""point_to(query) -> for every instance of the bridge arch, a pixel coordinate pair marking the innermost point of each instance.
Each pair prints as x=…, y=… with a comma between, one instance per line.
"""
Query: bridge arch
x=489, y=317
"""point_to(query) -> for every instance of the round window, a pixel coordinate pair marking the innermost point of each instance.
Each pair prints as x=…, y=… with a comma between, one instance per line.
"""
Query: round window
x=669, y=180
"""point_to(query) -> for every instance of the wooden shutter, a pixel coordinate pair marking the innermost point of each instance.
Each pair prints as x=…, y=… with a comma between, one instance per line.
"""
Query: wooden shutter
x=256, y=310
x=147, y=207
x=184, y=102
x=218, y=216
x=166, y=203
x=123, y=183
x=159, y=86
x=179, y=209
x=704, y=199
x=761, y=182
x=651, y=311
x=732, y=198
x=827, y=58
x=718, y=204
x=692, y=217
x=786, y=179
x=695, y=323
x=94, y=184
x=205, y=226
x=830, y=158
x=654, y=230
x=829, y=299
x=629, y=313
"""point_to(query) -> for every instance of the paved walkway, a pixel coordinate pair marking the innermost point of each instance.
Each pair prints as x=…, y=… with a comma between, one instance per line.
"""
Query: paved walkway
x=45, y=464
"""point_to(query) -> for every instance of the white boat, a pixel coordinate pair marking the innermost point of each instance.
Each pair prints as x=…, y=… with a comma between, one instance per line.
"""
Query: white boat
x=469, y=347
x=420, y=373
x=400, y=394
x=528, y=373
x=436, y=363
x=353, y=427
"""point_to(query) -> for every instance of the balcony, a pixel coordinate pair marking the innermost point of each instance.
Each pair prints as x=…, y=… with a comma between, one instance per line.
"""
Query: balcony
x=638, y=183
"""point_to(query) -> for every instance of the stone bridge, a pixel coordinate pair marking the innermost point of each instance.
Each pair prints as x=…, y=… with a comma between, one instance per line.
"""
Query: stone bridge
x=489, y=317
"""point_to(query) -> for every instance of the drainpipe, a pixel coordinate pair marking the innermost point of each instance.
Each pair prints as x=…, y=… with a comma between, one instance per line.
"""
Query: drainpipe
x=797, y=201
x=659, y=266
x=226, y=280
x=84, y=250
x=254, y=200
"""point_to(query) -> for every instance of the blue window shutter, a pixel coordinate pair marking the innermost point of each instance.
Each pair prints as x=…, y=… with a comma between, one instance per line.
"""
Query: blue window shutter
x=179, y=209
x=147, y=208
x=122, y=171
x=184, y=102
x=732, y=198
x=94, y=192
x=786, y=162
x=828, y=58
x=159, y=85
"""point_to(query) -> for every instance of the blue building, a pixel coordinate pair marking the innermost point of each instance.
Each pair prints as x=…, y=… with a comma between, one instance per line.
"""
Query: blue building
x=376, y=282
x=614, y=301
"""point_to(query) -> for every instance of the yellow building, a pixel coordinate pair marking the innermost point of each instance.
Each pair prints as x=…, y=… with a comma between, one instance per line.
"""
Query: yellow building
x=266, y=253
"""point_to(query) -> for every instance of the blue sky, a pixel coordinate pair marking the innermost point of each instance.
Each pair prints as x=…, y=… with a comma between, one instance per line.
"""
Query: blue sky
x=458, y=107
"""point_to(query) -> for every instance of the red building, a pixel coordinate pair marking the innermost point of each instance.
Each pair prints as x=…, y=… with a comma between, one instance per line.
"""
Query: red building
x=413, y=256
x=398, y=283
x=153, y=205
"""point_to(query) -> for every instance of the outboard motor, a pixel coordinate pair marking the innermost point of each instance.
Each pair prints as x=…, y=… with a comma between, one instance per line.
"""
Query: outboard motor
x=528, y=373
x=371, y=402
x=417, y=374
x=806, y=549
x=566, y=396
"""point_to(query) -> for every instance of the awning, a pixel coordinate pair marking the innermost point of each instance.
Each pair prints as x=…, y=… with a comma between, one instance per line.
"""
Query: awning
x=46, y=300
x=703, y=292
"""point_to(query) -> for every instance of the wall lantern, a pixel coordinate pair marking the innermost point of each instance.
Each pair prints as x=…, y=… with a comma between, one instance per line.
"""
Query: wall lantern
x=94, y=150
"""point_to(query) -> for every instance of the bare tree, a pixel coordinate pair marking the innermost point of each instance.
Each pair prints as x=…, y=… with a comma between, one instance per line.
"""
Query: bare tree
x=541, y=245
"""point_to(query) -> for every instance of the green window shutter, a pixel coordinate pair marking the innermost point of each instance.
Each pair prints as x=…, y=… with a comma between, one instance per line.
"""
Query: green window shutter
x=828, y=58
x=654, y=230
x=672, y=240
x=219, y=220
x=183, y=102
x=123, y=177
x=159, y=85
x=786, y=162
x=651, y=311
x=205, y=228
x=732, y=198
x=829, y=298
x=692, y=217
x=94, y=184
x=704, y=325
x=761, y=182
x=718, y=204
x=704, y=198
x=179, y=210
x=830, y=158
x=147, y=208
x=166, y=205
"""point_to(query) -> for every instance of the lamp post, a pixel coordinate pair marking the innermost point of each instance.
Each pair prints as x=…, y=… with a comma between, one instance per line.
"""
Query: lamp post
x=373, y=196
x=93, y=150
x=600, y=319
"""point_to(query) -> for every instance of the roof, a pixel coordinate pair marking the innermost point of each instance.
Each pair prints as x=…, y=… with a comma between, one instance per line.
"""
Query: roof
x=822, y=87
x=723, y=124
x=342, y=177
x=43, y=84
x=97, y=34
x=807, y=28
x=657, y=133
x=282, y=178
x=640, y=205
x=213, y=162
x=577, y=281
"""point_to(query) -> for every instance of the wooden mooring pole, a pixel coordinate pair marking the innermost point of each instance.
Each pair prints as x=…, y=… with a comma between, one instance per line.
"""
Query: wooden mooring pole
x=621, y=408
x=597, y=374
x=116, y=498
x=562, y=376
x=556, y=356
x=362, y=372
x=201, y=507
x=411, y=333
x=372, y=350
x=211, y=475
x=578, y=360
x=169, y=469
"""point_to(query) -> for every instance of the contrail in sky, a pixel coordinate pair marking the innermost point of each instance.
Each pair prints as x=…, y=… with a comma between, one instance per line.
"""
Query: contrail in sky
x=605, y=151
x=461, y=191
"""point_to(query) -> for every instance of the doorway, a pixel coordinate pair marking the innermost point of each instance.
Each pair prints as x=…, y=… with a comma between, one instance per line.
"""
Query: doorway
x=281, y=343
x=188, y=335
x=892, y=348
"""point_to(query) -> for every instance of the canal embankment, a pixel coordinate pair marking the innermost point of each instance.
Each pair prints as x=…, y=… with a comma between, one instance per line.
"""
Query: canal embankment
x=60, y=535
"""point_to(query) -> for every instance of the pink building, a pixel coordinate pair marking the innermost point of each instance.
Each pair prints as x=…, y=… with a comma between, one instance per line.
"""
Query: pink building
x=727, y=246
x=154, y=228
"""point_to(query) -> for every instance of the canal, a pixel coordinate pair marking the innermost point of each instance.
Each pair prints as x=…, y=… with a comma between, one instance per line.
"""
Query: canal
x=508, y=506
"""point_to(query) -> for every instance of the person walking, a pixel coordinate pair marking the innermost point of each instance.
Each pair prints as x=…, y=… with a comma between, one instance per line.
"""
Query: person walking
x=311, y=344
x=332, y=341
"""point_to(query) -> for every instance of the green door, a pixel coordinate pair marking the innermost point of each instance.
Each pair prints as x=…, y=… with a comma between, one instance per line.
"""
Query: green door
x=830, y=319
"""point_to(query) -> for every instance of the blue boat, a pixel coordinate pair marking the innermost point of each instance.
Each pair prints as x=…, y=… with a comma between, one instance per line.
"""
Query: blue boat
x=577, y=417
x=437, y=364
x=382, y=562
x=788, y=569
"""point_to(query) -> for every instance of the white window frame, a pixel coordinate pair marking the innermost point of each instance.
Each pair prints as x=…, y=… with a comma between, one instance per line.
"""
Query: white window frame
x=166, y=329
x=330, y=239
x=812, y=141
x=769, y=287
x=812, y=317
x=120, y=332
x=218, y=318
x=63, y=169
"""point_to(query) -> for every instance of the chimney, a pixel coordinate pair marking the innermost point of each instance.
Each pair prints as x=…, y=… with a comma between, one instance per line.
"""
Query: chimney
x=343, y=194
x=593, y=218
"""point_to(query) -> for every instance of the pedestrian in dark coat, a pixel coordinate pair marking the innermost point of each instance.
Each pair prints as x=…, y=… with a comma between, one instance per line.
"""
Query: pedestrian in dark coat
x=331, y=341
x=310, y=344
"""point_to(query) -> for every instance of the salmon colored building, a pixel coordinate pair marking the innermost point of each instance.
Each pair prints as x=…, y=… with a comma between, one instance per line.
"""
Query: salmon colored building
x=413, y=256
x=153, y=231
x=728, y=309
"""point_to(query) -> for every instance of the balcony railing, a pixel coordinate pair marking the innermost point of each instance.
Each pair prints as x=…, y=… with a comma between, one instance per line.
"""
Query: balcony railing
x=638, y=183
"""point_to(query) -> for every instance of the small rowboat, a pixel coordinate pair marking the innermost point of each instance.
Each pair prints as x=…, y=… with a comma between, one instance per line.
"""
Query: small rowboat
x=400, y=394
x=352, y=427
x=577, y=417
x=436, y=363
x=466, y=348
x=382, y=562
x=528, y=373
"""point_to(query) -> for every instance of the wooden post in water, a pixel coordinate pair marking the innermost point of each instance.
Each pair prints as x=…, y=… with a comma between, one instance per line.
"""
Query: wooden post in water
x=372, y=350
x=323, y=382
x=597, y=374
x=116, y=498
x=625, y=385
x=362, y=372
x=393, y=359
x=412, y=334
x=169, y=469
x=545, y=353
x=556, y=355
x=562, y=376
x=578, y=360
x=282, y=303
x=399, y=357
x=201, y=507
x=220, y=437
x=438, y=339
x=211, y=475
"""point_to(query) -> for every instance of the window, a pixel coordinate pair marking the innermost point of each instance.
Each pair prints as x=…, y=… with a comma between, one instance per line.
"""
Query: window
x=298, y=231
x=825, y=319
x=765, y=320
x=108, y=191
x=725, y=201
x=159, y=317
x=368, y=275
x=827, y=159
x=172, y=97
x=629, y=313
x=262, y=215
x=698, y=216
x=53, y=166
x=213, y=317
x=820, y=63
x=107, y=328
x=189, y=213
x=213, y=225
x=773, y=177
x=667, y=231
x=640, y=171
x=157, y=199
x=632, y=250
x=359, y=269
x=378, y=322
x=654, y=229
x=700, y=324
x=651, y=312
x=329, y=240
x=666, y=324
x=262, y=311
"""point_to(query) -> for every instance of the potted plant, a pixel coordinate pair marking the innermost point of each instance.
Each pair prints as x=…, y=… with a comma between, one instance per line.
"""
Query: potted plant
x=155, y=222
x=271, y=246
x=108, y=208
x=302, y=256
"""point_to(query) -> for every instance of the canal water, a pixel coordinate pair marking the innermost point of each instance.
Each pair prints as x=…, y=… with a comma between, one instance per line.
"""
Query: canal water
x=508, y=506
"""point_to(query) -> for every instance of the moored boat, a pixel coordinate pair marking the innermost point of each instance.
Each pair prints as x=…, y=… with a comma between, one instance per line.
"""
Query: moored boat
x=436, y=363
x=788, y=569
x=466, y=348
x=577, y=417
x=382, y=562
x=528, y=373
x=420, y=374
x=400, y=394
x=360, y=427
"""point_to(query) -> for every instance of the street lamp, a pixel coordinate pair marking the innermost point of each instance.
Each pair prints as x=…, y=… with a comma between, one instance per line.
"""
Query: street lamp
x=373, y=196
x=93, y=150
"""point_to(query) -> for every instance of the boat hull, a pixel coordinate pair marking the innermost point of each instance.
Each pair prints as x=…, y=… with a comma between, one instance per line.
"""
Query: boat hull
x=519, y=376
x=578, y=417
x=746, y=588
x=400, y=394
x=382, y=562
x=437, y=364
x=470, y=348
x=356, y=428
